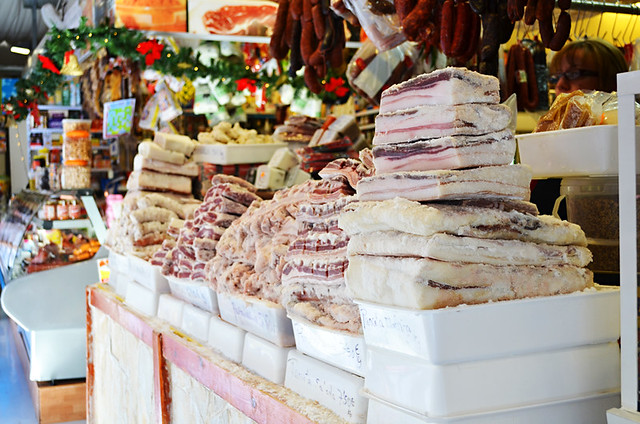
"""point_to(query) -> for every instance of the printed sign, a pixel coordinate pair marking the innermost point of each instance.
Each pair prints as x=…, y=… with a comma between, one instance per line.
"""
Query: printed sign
x=118, y=118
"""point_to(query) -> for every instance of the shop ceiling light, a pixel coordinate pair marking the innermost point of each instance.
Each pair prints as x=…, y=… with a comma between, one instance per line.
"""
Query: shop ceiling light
x=20, y=50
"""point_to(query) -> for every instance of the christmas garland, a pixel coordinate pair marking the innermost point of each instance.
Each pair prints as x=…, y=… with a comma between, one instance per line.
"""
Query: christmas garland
x=45, y=77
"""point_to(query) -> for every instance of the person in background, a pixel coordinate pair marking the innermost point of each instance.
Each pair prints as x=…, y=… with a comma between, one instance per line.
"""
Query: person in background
x=590, y=64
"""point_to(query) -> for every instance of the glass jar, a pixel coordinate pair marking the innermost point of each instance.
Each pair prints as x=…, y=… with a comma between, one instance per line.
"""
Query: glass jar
x=76, y=174
x=75, y=209
x=62, y=210
x=76, y=145
x=49, y=210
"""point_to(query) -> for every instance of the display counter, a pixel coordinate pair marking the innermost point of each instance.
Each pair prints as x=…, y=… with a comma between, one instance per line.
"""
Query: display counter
x=143, y=369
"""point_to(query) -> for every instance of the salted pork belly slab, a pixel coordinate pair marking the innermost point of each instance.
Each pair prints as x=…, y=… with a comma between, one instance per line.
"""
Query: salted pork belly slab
x=422, y=283
x=448, y=86
x=507, y=181
x=451, y=152
x=432, y=121
x=446, y=247
x=407, y=216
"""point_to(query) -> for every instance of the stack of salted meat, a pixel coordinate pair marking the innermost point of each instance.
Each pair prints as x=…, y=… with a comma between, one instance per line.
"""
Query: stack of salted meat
x=446, y=220
x=313, y=283
x=158, y=196
x=250, y=255
x=225, y=201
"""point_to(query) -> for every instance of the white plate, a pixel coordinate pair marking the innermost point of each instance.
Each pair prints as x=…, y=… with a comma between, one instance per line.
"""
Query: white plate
x=148, y=275
x=585, y=151
x=198, y=293
x=582, y=410
x=261, y=317
x=264, y=358
x=489, y=385
x=230, y=154
x=344, y=350
x=496, y=329
x=226, y=338
x=338, y=390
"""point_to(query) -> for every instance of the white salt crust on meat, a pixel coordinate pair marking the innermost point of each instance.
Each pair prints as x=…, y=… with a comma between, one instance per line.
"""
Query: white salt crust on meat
x=446, y=247
x=431, y=121
x=447, y=86
x=507, y=181
x=421, y=283
x=427, y=219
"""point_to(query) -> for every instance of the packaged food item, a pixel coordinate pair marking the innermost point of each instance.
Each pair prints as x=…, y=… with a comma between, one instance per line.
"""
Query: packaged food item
x=76, y=145
x=370, y=71
x=75, y=209
x=76, y=174
x=69, y=125
x=49, y=210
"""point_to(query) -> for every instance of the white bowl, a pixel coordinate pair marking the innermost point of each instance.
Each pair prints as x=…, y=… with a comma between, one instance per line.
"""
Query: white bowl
x=582, y=410
x=493, y=384
x=261, y=317
x=264, y=358
x=496, y=329
x=148, y=275
x=344, y=350
x=198, y=293
x=226, y=338
x=585, y=151
x=338, y=390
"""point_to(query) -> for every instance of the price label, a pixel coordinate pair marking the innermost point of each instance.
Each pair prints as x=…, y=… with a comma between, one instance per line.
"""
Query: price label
x=118, y=118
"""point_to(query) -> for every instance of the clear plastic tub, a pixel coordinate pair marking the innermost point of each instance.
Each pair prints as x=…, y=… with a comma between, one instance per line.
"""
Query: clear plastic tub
x=69, y=125
x=76, y=145
x=76, y=175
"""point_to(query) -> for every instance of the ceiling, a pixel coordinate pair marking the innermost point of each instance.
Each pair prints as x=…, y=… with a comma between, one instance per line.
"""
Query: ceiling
x=17, y=29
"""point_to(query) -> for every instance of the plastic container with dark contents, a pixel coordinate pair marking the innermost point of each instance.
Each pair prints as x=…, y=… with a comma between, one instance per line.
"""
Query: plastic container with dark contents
x=592, y=203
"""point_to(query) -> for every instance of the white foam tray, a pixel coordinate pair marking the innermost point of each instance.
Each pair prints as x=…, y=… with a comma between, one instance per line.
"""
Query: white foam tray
x=230, y=154
x=141, y=298
x=118, y=263
x=585, y=151
x=336, y=389
x=261, y=317
x=582, y=410
x=339, y=348
x=195, y=322
x=198, y=293
x=226, y=338
x=482, y=386
x=148, y=275
x=264, y=358
x=170, y=309
x=495, y=329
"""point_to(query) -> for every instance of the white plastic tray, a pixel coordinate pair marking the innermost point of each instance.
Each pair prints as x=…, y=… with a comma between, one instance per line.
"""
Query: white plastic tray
x=226, y=338
x=195, y=322
x=495, y=329
x=572, y=152
x=142, y=298
x=264, y=358
x=338, y=390
x=230, y=154
x=489, y=385
x=118, y=263
x=170, y=309
x=148, y=275
x=339, y=348
x=261, y=317
x=582, y=410
x=198, y=293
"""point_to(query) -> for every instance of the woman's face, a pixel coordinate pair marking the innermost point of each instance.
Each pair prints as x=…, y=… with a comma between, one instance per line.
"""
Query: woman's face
x=577, y=72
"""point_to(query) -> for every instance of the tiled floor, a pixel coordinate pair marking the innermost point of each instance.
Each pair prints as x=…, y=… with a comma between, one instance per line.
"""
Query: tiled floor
x=16, y=406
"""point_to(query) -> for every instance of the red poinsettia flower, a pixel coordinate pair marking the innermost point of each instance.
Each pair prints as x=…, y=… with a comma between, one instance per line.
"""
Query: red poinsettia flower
x=48, y=64
x=246, y=84
x=333, y=84
x=151, y=49
x=342, y=91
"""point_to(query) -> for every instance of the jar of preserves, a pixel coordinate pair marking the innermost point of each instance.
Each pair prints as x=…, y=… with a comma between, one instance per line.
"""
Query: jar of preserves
x=75, y=209
x=62, y=210
x=49, y=210
x=76, y=174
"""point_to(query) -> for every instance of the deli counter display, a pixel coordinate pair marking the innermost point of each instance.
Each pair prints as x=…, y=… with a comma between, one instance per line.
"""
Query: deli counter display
x=49, y=245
